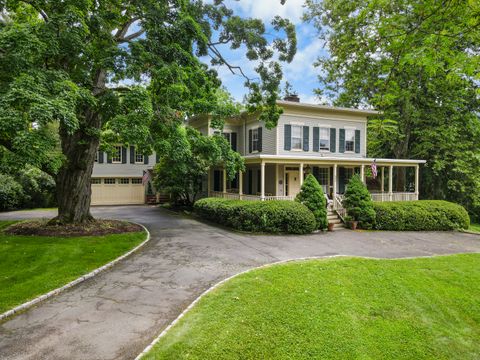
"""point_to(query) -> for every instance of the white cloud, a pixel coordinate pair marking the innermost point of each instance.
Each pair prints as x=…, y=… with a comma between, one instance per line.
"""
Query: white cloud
x=267, y=9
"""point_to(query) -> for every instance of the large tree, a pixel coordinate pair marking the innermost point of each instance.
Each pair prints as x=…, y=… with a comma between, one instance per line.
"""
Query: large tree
x=418, y=62
x=113, y=71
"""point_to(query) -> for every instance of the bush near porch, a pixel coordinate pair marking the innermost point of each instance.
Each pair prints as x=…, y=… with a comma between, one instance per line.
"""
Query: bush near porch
x=273, y=216
x=426, y=215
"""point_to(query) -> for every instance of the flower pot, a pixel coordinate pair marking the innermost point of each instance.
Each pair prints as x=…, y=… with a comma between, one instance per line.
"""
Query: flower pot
x=353, y=225
x=331, y=226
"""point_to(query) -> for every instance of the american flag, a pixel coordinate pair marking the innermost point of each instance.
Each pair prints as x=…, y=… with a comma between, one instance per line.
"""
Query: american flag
x=374, y=169
x=145, y=177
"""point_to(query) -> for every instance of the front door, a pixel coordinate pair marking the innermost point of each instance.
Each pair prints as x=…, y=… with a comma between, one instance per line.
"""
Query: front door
x=292, y=182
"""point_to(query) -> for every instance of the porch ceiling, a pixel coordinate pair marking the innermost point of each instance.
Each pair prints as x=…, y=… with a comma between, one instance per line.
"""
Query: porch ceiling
x=296, y=159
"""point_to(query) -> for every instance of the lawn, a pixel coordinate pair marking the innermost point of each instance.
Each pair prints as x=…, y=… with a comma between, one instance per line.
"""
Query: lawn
x=474, y=227
x=341, y=308
x=33, y=265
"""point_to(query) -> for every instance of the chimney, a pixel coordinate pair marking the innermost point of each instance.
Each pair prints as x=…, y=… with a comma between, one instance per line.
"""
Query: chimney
x=292, y=97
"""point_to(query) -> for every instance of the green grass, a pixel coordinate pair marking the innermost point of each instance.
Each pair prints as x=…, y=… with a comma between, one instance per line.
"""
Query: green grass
x=33, y=265
x=474, y=227
x=343, y=308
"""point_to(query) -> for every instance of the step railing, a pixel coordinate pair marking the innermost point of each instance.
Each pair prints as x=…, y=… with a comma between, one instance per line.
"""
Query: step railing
x=338, y=206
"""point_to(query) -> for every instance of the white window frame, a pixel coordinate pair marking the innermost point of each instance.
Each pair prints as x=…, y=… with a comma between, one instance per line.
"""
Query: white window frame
x=351, y=131
x=95, y=181
x=118, y=158
x=255, y=140
x=107, y=182
x=327, y=138
x=121, y=181
x=138, y=156
x=136, y=181
x=292, y=137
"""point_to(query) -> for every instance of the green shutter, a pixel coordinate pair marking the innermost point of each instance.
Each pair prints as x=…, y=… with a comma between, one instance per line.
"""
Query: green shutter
x=100, y=157
x=341, y=178
x=357, y=141
x=260, y=139
x=341, y=147
x=306, y=138
x=145, y=159
x=316, y=139
x=287, y=141
x=124, y=155
x=132, y=154
x=333, y=140
x=233, y=139
x=250, y=140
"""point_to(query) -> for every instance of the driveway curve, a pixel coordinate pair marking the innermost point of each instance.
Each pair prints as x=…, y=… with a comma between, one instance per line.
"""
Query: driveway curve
x=116, y=314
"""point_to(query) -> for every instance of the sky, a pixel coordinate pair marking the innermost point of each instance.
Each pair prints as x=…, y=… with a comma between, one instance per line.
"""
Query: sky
x=300, y=73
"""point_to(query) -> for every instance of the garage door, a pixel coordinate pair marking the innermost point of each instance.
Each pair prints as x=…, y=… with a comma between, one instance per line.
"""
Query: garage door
x=117, y=191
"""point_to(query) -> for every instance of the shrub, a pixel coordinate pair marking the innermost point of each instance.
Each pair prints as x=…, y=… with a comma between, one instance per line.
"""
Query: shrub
x=311, y=195
x=258, y=216
x=38, y=188
x=11, y=193
x=358, y=203
x=432, y=215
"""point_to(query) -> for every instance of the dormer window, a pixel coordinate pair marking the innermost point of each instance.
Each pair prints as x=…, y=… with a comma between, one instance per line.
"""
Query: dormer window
x=349, y=140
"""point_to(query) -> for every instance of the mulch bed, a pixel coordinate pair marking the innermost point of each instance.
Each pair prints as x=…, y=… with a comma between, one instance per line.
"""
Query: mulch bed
x=93, y=228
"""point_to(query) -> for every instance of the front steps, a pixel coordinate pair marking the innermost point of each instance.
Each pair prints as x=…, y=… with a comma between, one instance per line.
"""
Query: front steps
x=333, y=217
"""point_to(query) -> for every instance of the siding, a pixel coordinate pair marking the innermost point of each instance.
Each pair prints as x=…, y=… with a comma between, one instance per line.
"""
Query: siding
x=122, y=170
x=269, y=138
x=325, y=122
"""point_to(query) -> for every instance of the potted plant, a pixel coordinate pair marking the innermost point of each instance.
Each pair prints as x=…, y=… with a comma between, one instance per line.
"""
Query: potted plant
x=351, y=222
x=331, y=226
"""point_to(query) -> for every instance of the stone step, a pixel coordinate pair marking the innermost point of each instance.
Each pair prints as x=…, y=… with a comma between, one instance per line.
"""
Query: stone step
x=335, y=221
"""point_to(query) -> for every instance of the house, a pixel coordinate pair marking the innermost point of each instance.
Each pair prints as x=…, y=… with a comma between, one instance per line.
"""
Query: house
x=329, y=142
x=119, y=179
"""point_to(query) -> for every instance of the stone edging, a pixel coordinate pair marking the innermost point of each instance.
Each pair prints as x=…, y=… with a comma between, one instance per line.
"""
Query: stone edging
x=82, y=278
x=215, y=286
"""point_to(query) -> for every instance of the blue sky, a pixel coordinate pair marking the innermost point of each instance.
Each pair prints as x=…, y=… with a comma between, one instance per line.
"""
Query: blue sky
x=300, y=73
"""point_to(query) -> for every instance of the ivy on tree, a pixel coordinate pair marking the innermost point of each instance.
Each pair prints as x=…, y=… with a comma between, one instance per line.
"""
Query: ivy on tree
x=114, y=72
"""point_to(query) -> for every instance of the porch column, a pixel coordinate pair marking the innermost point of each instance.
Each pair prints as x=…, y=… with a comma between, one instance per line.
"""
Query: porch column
x=382, y=188
x=334, y=180
x=209, y=181
x=240, y=184
x=390, y=182
x=362, y=173
x=417, y=181
x=276, y=179
x=224, y=181
x=262, y=181
x=301, y=174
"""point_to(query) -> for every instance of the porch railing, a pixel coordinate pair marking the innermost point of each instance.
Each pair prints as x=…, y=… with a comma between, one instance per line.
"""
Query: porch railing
x=236, y=196
x=396, y=196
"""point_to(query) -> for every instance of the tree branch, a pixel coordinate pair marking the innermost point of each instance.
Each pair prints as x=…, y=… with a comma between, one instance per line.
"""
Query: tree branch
x=120, y=35
x=131, y=36
x=42, y=13
x=233, y=68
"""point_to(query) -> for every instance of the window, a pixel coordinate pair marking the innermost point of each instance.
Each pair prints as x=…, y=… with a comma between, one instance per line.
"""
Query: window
x=297, y=137
x=138, y=158
x=228, y=137
x=117, y=155
x=350, y=140
x=255, y=139
x=124, y=181
x=95, y=181
x=136, y=181
x=109, y=181
x=325, y=139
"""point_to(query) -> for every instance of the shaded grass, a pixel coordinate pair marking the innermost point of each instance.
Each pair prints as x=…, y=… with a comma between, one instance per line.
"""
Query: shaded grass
x=33, y=265
x=343, y=308
x=474, y=227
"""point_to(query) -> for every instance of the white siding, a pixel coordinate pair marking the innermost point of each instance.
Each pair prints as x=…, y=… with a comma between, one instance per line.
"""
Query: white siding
x=120, y=170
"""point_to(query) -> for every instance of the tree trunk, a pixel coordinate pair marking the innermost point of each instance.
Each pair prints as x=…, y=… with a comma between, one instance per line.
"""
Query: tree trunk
x=73, y=179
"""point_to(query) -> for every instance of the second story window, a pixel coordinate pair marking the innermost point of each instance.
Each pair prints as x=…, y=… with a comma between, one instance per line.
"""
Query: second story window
x=297, y=137
x=138, y=158
x=350, y=140
x=255, y=146
x=117, y=155
x=324, y=139
x=228, y=137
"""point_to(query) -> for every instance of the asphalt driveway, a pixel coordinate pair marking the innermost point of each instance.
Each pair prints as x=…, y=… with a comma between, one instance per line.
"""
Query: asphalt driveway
x=116, y=314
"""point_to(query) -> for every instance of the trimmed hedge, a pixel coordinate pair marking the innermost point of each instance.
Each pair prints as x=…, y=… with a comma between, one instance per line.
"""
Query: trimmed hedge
x=258, y=216
x=422, y=215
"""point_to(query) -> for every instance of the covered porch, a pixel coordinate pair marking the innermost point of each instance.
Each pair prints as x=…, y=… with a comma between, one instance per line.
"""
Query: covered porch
x=273, y=178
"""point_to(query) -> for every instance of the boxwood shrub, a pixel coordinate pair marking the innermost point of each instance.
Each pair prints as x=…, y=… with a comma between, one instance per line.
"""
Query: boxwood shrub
x=421, y=215
x=258, y=216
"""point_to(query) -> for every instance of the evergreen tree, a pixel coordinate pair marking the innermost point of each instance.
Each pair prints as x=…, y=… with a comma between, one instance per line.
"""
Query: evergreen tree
x=311, y=195
x=358, y=203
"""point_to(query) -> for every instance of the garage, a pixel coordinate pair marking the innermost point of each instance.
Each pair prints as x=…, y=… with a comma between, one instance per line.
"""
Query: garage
x=117, y=191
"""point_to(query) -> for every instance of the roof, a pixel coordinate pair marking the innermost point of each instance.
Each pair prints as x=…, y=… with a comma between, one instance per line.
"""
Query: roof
x=332, y=159
x=301, y=105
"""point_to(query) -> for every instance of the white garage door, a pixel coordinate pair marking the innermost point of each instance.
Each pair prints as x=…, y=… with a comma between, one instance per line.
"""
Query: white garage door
x=117, y=191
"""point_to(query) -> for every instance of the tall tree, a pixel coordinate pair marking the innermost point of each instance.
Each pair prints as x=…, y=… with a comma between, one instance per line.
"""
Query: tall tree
x=112, y=71
x=417, y=62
